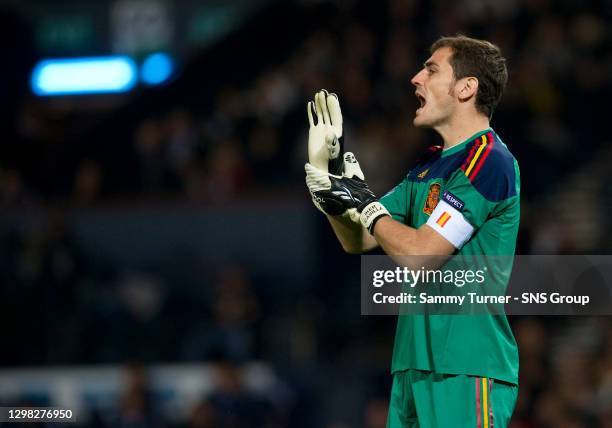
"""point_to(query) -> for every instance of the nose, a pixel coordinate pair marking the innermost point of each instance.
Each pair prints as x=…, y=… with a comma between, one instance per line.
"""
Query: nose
x=417, y=80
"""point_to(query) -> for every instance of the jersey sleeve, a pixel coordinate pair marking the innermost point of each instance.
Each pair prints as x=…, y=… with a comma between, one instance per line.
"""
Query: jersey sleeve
x=396, y=201
x=474, y=193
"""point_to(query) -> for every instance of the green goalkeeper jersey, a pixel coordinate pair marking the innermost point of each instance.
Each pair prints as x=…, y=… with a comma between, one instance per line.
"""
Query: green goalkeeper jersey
x=469, y=193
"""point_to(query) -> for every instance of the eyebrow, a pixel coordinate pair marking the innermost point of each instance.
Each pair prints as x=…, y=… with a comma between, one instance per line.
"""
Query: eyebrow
x=430, y=64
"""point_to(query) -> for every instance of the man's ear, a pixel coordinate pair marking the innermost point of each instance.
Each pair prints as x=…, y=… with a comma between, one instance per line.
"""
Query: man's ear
x=467, y=88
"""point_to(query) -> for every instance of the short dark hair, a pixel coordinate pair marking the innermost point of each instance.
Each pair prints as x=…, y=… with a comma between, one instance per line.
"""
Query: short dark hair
x=482, y=60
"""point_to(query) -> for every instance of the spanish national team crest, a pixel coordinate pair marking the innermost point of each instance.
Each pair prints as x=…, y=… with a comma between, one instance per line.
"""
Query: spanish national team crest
x=433, y=196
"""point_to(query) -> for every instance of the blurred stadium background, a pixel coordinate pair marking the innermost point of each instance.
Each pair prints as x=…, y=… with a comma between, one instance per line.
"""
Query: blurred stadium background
x=160, y=262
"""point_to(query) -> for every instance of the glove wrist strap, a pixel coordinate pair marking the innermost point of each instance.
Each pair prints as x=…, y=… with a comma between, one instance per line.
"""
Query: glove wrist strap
x=371, y=213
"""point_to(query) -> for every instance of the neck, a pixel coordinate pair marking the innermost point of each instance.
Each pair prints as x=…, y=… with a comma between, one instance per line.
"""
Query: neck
x=459, y=128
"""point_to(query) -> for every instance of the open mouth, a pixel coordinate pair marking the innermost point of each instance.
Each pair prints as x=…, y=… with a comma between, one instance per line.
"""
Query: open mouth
x=422, y=102
x=421, y=99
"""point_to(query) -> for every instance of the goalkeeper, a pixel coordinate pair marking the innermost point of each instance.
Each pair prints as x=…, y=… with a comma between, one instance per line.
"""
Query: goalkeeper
x=461, y=199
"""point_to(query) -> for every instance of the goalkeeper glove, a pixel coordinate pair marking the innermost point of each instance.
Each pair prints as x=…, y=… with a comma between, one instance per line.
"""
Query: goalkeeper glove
x=325, y=145
x=347, y=193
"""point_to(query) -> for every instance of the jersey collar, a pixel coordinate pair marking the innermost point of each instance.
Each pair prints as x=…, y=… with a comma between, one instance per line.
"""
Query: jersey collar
x=460, y=146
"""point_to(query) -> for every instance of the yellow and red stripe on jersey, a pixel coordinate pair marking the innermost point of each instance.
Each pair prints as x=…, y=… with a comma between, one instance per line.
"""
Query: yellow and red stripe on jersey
x=477, y=156
x=443, y=219
x=484, y=410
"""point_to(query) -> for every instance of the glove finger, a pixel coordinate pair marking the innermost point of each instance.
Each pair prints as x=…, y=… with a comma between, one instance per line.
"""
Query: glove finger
x=309, y=108
x=335, y=114
x=322, y=99
x=351, y=166
x=325, y=96
x=318, y=110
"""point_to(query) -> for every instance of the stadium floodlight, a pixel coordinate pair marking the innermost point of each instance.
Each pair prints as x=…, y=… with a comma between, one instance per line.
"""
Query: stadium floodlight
x=85, y=75
x=156, y=68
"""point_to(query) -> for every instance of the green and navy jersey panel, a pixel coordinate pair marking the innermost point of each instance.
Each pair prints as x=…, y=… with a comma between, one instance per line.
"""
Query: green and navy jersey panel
x=470, y=195
x=478, y=178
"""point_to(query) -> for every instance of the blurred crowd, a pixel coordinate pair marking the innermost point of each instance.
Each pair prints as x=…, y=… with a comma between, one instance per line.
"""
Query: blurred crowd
x=251, y=137
x=251, y=141
x=229, y=405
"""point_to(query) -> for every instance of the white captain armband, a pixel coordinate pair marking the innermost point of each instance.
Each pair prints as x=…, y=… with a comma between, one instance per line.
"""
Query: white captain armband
x=451, y=224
